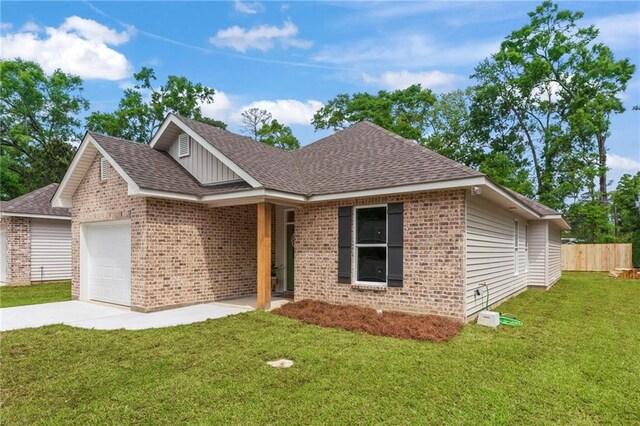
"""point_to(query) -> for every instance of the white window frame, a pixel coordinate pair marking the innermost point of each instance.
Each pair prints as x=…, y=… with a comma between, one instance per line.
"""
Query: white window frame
x=526, y=247
x=516, y=247
x=104, y=169
x=188, y=145
x=354, y=269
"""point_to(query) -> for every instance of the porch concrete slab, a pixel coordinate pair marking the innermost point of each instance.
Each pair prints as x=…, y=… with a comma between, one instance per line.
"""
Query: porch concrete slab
x=251, y=302
x=103, y=317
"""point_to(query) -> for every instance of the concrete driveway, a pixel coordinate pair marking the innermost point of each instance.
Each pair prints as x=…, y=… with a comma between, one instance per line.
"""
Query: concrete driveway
x=102, y=317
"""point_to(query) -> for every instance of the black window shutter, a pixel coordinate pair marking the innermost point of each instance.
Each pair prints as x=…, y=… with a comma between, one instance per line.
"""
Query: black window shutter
x=344, y=245
x=394, y=244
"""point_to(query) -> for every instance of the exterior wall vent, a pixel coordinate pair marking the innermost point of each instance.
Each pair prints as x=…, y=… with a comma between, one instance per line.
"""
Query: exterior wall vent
x=183, y=145
x=104, y=169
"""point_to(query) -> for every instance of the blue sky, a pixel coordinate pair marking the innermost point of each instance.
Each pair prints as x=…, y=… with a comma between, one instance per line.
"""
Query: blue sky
x=291, y=57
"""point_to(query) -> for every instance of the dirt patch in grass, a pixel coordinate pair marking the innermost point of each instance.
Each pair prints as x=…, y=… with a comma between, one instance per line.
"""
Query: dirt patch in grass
x=367, y=320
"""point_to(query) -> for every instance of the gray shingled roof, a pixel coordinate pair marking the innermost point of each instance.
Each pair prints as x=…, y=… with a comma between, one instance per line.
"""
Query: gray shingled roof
x=274, y=168
x=541, y=209
x=156, y=170
x=36, y=202
x=366, y=156
x=363, y=156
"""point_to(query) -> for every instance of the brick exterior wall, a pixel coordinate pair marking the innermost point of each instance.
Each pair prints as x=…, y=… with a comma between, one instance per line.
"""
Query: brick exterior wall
x=181, y=253
x=434, y=256
x=18, y=234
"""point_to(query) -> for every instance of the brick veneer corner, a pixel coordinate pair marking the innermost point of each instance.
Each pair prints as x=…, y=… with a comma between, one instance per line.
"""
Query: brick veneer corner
x=18, y=234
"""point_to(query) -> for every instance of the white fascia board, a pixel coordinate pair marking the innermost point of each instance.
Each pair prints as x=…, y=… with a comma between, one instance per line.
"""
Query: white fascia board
x=166, y=195
x=559, y=220
x=133, y=187
x=403, y=189
x=57, y=200
x=35, y=216
x=219, y=155
x=264, y=194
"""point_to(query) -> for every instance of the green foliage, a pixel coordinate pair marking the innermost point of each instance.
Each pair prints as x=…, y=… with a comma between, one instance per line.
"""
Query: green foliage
x=143, y=107
x=278, y=135
x=624, y=200
x=35, y=294
x=404, y=112
x=590, y=222
x=552, y=89
x=38, y=119
x=575, y=362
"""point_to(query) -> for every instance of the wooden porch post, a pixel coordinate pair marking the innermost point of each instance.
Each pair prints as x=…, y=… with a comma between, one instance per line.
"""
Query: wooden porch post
x=264, y=256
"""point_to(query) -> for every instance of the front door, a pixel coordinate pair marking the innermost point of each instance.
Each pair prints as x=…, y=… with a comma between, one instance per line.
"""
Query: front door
x=290, y=256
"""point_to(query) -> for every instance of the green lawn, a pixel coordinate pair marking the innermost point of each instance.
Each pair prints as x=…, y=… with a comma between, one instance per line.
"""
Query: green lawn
x=576, y=361
x=35, y=293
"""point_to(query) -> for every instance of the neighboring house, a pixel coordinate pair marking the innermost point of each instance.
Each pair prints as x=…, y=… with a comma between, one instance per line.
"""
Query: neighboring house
x=35, y=239
x=362, y=217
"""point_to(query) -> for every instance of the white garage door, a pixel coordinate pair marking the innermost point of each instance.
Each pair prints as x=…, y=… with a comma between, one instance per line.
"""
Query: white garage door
x=109, y=263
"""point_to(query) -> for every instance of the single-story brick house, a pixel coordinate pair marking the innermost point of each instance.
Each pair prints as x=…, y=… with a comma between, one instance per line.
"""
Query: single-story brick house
x=35, y=239
x=362, y=216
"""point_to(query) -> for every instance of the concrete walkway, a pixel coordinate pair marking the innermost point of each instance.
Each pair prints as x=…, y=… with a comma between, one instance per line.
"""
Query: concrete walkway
x=107, y=317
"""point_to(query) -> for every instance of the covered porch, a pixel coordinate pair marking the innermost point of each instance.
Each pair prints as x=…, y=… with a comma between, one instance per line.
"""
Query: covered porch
x=275, y=238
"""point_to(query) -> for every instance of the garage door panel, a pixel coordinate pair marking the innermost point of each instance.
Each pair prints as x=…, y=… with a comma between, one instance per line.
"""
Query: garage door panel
x=109, y=248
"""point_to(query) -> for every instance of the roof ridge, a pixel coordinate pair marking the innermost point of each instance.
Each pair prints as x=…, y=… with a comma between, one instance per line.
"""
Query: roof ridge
x=104, y=135
x=456, y=164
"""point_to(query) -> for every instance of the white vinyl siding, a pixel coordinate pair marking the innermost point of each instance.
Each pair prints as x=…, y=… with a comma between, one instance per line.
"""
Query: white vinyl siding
x=538, y=253
x=50, y=250
x=202, y=164
x=554, y=269
x=490, y=254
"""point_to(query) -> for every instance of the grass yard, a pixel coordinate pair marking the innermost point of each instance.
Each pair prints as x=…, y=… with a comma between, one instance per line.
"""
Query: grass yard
x=34, y=294
x=576, y=361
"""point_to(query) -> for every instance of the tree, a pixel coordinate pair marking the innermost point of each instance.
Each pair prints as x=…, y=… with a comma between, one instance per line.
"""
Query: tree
x=625, y=201
x=143, y=107
x=252, y=120
x=278, y=135
x=554, y=87
x=39, y=117
x=404, y=112
x=590, y=222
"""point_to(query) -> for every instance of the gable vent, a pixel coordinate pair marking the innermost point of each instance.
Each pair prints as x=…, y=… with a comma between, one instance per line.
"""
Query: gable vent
x=183, y=145
x=104, y=169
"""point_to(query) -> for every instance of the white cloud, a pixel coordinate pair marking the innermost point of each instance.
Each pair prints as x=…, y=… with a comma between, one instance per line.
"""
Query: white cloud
x=94, y=31
x=263, y=37
x=79, y=46
x=5, y=26
x=287, y=111
x=435, y=80
x=618, y=162
x=406, y=50
x=222, y=107
x=250, y=8
x=619, y=31
x=30, y=27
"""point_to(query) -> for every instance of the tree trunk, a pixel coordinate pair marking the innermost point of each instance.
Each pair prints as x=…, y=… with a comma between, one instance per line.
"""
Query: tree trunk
x=602, y=163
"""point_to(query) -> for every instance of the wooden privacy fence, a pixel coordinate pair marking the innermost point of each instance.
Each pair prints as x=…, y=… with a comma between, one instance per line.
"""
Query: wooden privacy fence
x=595, y=257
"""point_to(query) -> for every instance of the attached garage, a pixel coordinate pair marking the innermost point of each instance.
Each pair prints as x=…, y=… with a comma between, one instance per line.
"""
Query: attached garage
x=105, y=264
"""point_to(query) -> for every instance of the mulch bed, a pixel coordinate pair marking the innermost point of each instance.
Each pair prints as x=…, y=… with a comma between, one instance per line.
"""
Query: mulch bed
x=367, y=320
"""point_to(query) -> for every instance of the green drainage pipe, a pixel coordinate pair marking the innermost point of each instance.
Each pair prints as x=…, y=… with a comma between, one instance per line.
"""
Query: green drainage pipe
x=510, y=320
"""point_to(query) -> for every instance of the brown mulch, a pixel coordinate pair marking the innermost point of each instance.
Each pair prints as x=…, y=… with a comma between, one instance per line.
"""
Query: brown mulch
x=367, y=320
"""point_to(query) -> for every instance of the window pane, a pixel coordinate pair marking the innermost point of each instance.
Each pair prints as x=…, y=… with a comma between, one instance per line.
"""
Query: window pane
x=372, y=264
x=371, y=225
x=290, y=216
